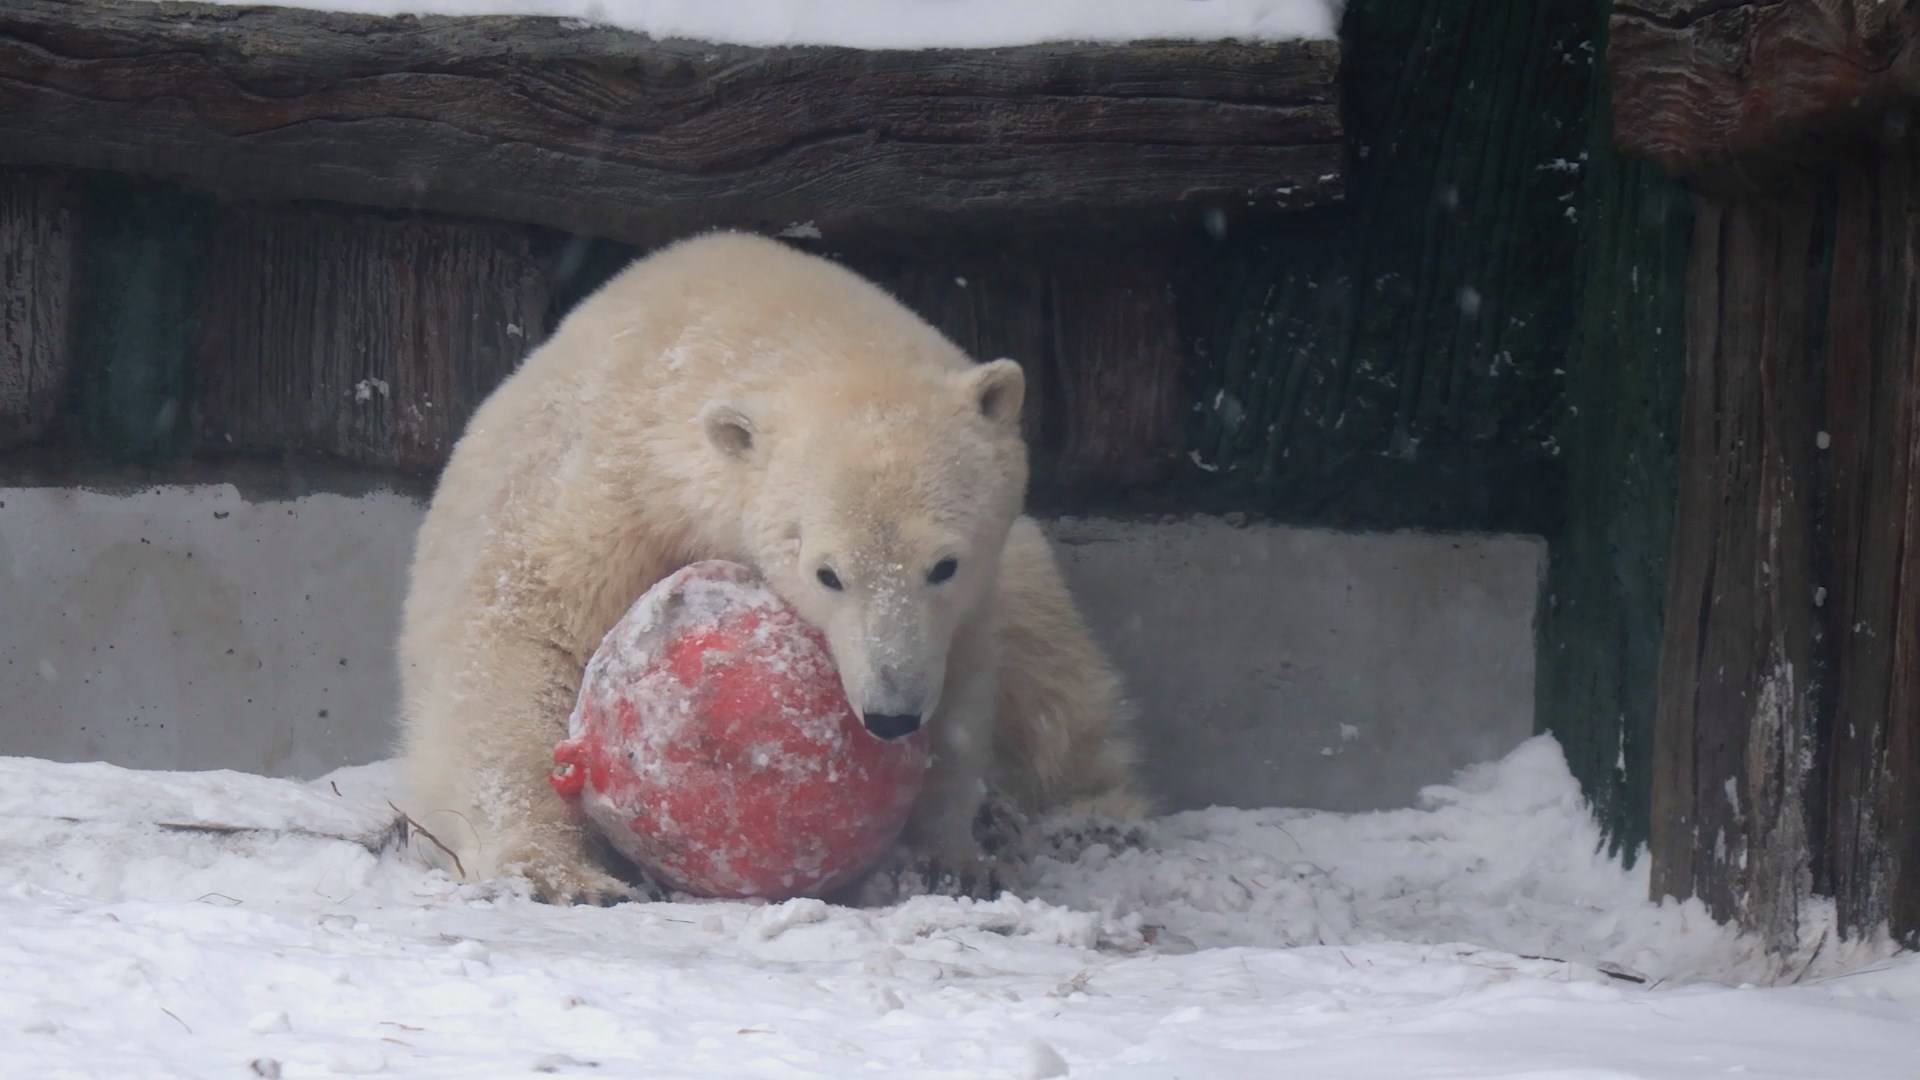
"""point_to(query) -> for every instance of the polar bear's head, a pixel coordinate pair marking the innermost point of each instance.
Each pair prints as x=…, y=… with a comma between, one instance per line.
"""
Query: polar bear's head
x=879, y=508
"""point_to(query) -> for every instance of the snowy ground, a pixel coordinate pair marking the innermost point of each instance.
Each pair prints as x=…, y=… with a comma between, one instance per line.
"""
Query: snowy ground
x=258, y=934
x=900, y=24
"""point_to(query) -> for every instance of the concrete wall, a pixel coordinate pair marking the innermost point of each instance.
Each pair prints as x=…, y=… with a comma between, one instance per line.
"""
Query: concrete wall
x=188, y=627
x=1303, y=667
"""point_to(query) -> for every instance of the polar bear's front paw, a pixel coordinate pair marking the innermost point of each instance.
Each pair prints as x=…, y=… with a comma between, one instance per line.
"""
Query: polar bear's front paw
x=907, y=873
x=999, y=826
x=561, y=884
x=981, y=878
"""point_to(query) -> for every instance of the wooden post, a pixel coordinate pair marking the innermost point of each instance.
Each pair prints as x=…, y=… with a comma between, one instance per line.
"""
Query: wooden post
x=1788, y=730
x=1733, y=752
x=1870, y=595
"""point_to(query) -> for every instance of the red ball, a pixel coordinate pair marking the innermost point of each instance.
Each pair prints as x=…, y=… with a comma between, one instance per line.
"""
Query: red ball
x=713, y=745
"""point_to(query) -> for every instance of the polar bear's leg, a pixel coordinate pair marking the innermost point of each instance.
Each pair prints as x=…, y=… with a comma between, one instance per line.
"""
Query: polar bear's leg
x=940, y=845
x=942, y=823
x=1063, y=726
x=482, y=749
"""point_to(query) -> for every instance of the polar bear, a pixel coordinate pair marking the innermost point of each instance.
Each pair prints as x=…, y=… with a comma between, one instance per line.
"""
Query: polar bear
x=729, y=397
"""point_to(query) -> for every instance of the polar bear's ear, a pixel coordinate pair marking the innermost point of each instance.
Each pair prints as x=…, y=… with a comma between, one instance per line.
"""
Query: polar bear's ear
x=998, y=388
x=728, y=429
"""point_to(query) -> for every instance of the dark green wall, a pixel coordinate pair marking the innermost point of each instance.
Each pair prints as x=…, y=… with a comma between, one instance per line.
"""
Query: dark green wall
x=1602, y=612
x=1342, y=380
x=141, y=248
x=1400, y=361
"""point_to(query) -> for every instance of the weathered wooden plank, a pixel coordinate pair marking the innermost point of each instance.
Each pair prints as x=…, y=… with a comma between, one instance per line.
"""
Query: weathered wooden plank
x=1118, y=363
x=601, y=132
x=1902, y=792
x=1735, y=706
x=1734, y=91
x=357, y=337
x=992, y=303
x=1097, y=330
x=1871, y=596
x=36, y=275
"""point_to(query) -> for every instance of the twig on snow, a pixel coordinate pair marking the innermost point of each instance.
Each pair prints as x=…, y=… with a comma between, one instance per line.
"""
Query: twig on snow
x=424, y=831
x=1815, y=955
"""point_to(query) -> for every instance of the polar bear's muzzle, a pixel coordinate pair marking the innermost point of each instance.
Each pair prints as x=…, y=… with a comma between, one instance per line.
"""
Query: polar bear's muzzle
x=883, y=656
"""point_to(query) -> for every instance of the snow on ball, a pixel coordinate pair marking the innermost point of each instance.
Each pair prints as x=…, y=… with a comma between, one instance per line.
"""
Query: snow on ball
x=713, y=745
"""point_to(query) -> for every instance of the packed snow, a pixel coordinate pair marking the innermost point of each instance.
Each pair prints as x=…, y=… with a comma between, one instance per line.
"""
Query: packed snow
x=210, y=924
x=899, y=24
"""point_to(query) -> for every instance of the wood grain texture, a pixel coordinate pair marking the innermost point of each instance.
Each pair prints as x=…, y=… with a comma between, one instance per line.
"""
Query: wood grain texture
x=1119, y=364
x=36, y=279
x=605, y=133
x=1871, y=598
x=1095, y=326
x=349, y=336
x=992, y=303
x=1787, y=735
x=1742, y=91
x=1735, y=704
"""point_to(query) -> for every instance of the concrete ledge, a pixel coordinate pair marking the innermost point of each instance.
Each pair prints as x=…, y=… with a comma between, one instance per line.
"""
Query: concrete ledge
x=1307, y=667
x=189, y=628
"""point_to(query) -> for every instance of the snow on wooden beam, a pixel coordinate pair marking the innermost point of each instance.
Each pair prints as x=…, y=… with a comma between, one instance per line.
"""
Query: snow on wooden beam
x=1736, y=90
x=603, y=132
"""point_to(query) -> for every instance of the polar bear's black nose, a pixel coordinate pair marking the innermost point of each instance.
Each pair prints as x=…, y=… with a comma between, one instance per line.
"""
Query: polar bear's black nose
x=891, y=725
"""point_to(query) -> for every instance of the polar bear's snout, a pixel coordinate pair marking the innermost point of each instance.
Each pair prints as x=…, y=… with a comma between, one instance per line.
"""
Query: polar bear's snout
x=893, y=698
x=897, y=704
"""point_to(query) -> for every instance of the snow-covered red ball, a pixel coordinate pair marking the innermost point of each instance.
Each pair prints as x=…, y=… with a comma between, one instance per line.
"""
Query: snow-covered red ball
x=712, y=744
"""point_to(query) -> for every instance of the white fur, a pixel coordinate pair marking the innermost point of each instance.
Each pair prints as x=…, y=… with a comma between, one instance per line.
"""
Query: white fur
x=729, y=397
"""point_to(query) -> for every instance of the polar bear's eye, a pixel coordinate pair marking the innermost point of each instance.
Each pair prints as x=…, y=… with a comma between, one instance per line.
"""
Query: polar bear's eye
x=942, y=570
x=828, y=578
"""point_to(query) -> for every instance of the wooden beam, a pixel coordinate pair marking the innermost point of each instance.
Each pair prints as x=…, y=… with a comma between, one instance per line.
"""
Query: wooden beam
x=602, y=132
x=1737, y=91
